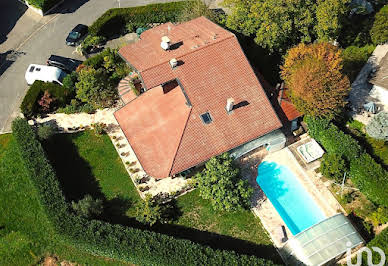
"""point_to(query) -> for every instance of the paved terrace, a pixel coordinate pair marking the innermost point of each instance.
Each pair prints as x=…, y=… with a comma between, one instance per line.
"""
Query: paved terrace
x=310, y=180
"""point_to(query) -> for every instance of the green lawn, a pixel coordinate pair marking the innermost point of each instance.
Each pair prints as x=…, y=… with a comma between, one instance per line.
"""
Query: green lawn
x=26, y=235
x=89, y=164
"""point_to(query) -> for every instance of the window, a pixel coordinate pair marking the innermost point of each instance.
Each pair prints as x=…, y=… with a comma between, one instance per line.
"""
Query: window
x=32, y=69
x=206, y=118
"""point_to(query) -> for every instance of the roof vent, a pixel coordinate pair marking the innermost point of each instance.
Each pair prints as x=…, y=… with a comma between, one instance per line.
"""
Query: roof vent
x=173, y=63
x=165, y=44
x=229, y=105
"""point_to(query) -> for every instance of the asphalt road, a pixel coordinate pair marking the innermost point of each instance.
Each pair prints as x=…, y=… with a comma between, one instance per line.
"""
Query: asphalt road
x=47, y=39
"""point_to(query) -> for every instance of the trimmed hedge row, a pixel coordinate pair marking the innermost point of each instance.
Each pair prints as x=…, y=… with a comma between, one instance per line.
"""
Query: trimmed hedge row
x=44, y=5
x=30, y=106
x=115, y=20
x=381, y=241
x=365, y=172
x=103, y=239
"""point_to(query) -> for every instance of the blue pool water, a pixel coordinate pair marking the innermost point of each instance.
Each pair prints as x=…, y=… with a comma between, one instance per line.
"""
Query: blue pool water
x=293, y=203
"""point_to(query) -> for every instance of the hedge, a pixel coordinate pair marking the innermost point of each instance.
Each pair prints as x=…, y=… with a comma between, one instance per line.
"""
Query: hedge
x=44, y=5
x=30, y=106
x=100, y=238
x=381, y=241
x=365, y=172
x=115, y=20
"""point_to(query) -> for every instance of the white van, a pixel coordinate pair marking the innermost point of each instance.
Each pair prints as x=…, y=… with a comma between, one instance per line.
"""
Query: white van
x=44, y=73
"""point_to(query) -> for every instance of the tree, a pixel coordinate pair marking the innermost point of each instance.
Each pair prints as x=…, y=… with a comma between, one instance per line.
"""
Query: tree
x=276, y=25
x=94, y=88
x=148, y=211
x=330, y=16
x=313, y=74
x=45, y=132
x=379, y=30
x=221, y=183
x=195, y=9
x=333, y=166
x=46, y=101
x=378, y=127
x=88, y=207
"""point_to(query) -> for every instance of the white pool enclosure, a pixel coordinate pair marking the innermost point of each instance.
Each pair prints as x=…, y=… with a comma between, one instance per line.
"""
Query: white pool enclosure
x=324, y=242
x=310, y=151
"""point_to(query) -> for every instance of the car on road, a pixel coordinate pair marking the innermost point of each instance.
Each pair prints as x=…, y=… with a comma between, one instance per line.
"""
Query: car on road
x=76, y=34
x=64, y=63
x=44, y=73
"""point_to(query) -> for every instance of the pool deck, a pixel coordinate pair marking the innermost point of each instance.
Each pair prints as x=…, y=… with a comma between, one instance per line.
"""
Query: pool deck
x=305, y=173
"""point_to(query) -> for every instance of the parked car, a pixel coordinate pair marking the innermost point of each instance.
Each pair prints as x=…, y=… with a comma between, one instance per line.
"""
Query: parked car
x=64, y=63
x=44, y=73
x=76, y=34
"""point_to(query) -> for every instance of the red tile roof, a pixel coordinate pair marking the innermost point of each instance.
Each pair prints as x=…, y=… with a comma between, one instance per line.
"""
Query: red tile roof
x=212, y=68
x=288, y=108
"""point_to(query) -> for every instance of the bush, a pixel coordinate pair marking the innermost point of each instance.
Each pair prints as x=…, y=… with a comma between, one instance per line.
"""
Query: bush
x=221, y=182
x=44, y=5
x=381, y=241
x=378, y=127
x=103, y=239
x=354, y=59
x=365, y=172
x=45, y=132
x=333, y=166
x=370, y=178
x=91, y=42
x=114, y=21
x=88, y=207
x=379, y=30
x=30, y=104
x=148, y=212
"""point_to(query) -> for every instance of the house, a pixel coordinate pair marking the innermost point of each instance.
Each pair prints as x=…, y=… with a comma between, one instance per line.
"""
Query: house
x=199, y=98
x=369, y=93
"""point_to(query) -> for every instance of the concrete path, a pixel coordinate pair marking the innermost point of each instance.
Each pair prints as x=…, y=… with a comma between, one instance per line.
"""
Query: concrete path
x=33, y=40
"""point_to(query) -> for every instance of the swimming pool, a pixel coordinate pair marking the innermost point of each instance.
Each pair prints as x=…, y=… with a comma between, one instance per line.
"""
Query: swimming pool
x=293, y=203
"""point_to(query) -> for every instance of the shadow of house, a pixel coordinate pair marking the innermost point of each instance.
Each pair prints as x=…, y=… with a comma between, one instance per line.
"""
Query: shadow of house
x=10, y=12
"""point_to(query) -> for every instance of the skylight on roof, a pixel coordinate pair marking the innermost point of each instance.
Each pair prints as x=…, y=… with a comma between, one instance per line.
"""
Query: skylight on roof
x=206, y=118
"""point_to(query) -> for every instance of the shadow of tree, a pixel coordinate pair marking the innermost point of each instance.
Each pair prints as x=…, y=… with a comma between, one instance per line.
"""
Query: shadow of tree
x=68, y=7
x=7, y=59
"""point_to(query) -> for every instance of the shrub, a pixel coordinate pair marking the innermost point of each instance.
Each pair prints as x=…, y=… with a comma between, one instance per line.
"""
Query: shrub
x=370, y=178
x=44, y=5
x=381, y=241
x=91, y=42
x=379, y=30
x=354, y=59
x=30, y=104
x=99, y=128
x=100, y=238
x=378, y=127
x=148, y=211
x=45, y=132
x=221, y=182
x=333, y=166
x=87, y=207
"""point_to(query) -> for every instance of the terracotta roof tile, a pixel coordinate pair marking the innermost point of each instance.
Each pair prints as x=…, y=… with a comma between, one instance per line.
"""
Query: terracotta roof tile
x=209, y=75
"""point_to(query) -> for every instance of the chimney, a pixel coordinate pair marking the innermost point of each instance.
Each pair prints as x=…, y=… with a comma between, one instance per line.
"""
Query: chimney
x=173, y=63
x=229, y=105
x=165, y=44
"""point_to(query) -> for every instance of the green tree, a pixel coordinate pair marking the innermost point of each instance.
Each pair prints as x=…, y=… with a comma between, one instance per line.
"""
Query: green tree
x=195, y=9
x=330, y=15
x=333, y=166
x=276, y=25
x=94, y=88
x=149, y=211
x=88, y=207
x=221, y=183
x=313, y=74
x=379, y=30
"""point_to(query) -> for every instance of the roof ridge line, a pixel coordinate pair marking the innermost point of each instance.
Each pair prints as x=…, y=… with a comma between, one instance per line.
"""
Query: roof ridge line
x=191, y=52
x=180, y=141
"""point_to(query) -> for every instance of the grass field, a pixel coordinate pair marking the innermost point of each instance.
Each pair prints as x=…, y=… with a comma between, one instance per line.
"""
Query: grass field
x=89, y=164
x=26, y=235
